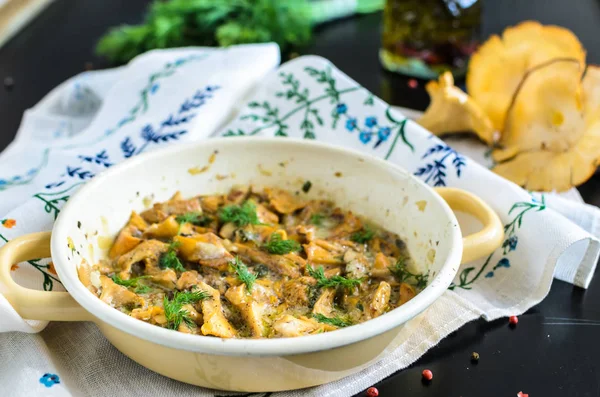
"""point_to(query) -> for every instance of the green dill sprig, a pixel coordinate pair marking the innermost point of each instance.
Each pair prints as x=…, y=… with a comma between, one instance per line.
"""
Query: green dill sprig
x=332, y=282
x=240, y=215
x=403, y=275
x=276, y=245
x=242, y=272
x=132, y=282
x=363, y=236
x=195, y=218
x=180, y=23
x=142, y=289
x=174, y=311
x=335, y=321
x=317, y=219
x=169, y=259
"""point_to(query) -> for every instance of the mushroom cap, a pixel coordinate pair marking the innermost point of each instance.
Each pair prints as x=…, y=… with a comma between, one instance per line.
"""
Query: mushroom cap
x=553, y=129
x=497, y=68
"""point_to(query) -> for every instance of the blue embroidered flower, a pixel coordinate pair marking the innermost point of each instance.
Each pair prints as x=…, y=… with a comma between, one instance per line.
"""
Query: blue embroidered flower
x=49, y=380
x=154, y=88
x=384, y=133
x=511, y=243
x=180, y=61
x=351, y=124
x=3, y=182
x=489, y=275
x=16, y=178
x=365, y=136
x=370, y=121
x=341, y=108
x=503, y=263
x=31, y=171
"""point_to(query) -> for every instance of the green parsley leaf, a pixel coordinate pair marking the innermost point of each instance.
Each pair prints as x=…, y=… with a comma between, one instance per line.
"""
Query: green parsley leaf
x=240, y=215
x=332, y=282
x=335, y=321
x=277, y=246
x=174, y=311
x=403, y=275
x=242, y=272
x=317, y=219
x=363, y=236
x=169, y=259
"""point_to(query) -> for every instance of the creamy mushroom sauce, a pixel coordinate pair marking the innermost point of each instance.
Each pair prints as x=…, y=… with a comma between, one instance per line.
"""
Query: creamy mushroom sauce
x=254, y=263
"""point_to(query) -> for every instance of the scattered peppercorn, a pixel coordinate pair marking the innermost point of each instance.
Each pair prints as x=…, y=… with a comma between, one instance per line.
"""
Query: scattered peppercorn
x=427, y=375
x=513, y=320
x=521, y=394
x=306, y=187
x=9, y=83
x=372, y=392
x=475, y=357
x=412, y=83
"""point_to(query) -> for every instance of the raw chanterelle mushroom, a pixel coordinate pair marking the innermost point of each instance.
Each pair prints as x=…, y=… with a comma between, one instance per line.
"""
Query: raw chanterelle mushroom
x=452, y=110
x=498, y=66
x=531, y=99
x=553, y=129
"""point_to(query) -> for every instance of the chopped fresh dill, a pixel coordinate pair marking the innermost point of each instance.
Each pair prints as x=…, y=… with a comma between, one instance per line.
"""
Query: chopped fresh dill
x=335, y=321
x=276, y=245
x=174, y=311
x=142, y=289
x=317, y=219
x=240, y=215
x=242, y=272
x=403, y=275
x=132, y=282
x=306, y=187
x=195, y=218
x=169, y=259
x=364, y=235
x=335, y=281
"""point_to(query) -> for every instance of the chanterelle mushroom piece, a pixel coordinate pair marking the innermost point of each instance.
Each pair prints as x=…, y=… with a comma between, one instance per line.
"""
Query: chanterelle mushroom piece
x=451, y=110
x=498, y=66
x=553, y=129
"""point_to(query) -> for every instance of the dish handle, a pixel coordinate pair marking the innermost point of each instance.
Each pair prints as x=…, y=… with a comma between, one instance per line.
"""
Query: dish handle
x=488, y=239
x=29, y=303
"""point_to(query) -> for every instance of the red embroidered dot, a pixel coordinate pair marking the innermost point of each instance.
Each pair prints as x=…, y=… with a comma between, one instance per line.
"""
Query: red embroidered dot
x=521, y=394
x=513, y=320
x=372, y=392
x=427, y=374
x=412, y=83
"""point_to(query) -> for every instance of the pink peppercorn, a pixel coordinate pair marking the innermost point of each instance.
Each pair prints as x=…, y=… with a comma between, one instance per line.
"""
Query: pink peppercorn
x=427, y=374
x=412, y=83
x=372, y=392
x=513, y=320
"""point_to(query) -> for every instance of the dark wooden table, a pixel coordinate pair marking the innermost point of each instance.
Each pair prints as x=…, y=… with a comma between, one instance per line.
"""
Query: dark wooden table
x=541, y=359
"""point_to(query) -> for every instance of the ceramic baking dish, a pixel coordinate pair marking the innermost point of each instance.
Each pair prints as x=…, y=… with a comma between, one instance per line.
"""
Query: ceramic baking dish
x=374, y=188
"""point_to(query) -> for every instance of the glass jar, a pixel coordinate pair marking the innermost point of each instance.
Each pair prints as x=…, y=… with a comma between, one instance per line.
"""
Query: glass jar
x=424, y=38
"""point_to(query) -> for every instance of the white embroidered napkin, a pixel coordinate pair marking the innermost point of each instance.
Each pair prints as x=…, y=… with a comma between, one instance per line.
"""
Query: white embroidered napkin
x=98, y=119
